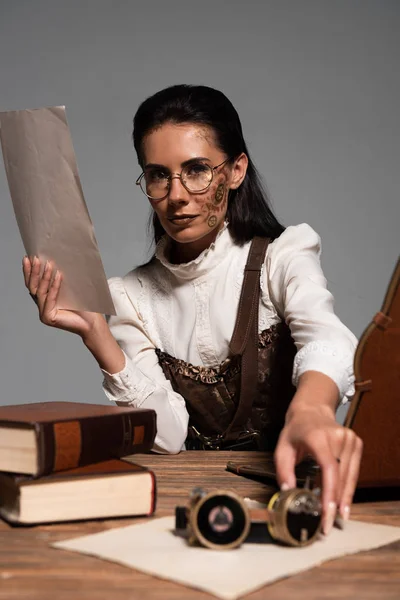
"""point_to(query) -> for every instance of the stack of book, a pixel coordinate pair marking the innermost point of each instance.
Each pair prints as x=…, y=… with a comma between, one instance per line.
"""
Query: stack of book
x=60, y=461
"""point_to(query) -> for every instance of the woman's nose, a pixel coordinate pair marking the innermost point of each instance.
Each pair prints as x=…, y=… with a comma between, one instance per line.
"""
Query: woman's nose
x=177, y=192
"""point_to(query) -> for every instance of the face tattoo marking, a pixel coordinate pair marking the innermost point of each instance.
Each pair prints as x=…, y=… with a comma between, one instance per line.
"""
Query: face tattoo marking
x=219, y=194
x=212, y=221
x=214, y=209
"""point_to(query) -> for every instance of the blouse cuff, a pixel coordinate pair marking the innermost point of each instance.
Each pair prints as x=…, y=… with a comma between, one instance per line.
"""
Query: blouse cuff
x=328, y=359
x=128, y=386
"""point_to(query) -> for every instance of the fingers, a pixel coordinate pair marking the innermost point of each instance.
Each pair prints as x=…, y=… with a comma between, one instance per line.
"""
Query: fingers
x=322, y=452
x=285, y=462
x=340, y=463
x=44, y=284
x=336, y=449
x=31, y=268
x=52, y=294
x=43, y=287
x=317, y=444
x=26, y=267
x=330, y=479
x=350, y=460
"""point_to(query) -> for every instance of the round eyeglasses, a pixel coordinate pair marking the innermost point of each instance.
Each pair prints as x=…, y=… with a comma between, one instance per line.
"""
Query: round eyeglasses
x=196, y=177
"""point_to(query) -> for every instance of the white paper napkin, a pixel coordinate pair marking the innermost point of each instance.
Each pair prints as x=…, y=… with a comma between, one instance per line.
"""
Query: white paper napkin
x=153, y=548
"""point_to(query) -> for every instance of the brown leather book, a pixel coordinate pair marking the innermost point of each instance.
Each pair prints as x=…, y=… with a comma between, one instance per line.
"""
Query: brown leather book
x=374, y=412
x=46, y=437
x=113, y=488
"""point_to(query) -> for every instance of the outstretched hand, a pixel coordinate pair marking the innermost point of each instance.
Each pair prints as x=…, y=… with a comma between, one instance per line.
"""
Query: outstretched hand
x=44, y=288
x=312, y=429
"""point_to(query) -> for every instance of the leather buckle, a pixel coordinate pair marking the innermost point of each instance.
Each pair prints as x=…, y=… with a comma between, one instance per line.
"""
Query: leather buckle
x=207, y=441
x=245, y=440
x=225, y=365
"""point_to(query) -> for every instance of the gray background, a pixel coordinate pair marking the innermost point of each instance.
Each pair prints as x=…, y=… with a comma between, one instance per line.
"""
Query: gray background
x=316, y=85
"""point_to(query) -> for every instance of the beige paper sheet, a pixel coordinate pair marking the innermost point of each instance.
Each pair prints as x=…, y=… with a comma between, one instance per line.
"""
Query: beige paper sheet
x=153, y=548
x=49, y=205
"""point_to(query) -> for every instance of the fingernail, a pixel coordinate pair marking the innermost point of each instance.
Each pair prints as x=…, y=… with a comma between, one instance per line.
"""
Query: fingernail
x=46, y=266
x=285, y=487
x=339, y=522
x=345, y=512
x=329, y=517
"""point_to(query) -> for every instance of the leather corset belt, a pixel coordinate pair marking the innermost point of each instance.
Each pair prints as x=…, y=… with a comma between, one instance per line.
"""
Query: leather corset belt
x=241, y=403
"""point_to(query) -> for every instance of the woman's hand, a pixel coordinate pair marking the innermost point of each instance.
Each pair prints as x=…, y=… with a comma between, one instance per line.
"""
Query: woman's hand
x=311, y=429
x=45, y=290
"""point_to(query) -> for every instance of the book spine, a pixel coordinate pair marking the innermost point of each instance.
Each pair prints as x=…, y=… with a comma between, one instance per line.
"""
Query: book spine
x=70, y=444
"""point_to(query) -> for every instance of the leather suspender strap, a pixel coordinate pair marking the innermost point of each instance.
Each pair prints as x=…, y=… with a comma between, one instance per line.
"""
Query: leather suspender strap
x=245, y=335
x=249, y=294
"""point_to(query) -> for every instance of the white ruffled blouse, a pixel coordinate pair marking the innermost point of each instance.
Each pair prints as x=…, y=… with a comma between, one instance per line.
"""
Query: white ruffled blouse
x=189, y=311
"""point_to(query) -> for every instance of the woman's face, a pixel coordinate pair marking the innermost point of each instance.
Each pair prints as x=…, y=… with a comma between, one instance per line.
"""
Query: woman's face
x=189, y=218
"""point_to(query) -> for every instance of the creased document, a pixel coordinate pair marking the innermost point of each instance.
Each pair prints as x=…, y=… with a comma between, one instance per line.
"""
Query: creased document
x=151, y=547
x=49, y=205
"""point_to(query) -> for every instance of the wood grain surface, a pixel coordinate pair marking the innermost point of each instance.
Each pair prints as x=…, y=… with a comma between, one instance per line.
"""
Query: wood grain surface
x=31, y=569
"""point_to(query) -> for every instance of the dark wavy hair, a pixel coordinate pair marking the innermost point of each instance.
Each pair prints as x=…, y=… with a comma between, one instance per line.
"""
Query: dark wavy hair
x=248, y=213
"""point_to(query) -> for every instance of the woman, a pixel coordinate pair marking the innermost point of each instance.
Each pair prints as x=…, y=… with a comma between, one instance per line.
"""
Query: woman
x=176, y=315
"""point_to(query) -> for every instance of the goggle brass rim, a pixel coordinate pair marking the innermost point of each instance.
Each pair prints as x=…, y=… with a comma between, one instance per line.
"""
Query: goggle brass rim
x=196, y=531
x=278, y=527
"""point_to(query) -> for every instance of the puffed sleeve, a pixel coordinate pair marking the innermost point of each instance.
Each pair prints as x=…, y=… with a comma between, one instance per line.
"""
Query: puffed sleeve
x=298, y=290
x=142, y=382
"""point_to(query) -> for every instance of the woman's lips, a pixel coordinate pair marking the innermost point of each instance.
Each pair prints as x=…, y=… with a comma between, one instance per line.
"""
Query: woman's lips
x=182, y=220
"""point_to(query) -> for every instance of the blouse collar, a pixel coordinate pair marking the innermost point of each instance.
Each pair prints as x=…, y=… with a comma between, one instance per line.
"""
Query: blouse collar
x=204, y=263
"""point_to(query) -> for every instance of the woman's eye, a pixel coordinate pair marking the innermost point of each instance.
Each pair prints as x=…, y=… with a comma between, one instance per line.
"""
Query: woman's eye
x=196, y=169
x=156, y=175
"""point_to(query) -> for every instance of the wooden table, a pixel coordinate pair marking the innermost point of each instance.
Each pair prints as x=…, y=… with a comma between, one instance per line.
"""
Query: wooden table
x=31, y=569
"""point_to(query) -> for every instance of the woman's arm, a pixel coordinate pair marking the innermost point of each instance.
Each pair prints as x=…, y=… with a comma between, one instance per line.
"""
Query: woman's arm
x=101, y=343
x=132, y=374
x=311, y=428
x=323, y=370
x=133, y=377
x=141, y=381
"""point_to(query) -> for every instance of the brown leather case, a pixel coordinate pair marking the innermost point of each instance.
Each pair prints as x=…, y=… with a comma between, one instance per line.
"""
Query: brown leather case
x=374, y=412
x=74, y=434
x=266, y=473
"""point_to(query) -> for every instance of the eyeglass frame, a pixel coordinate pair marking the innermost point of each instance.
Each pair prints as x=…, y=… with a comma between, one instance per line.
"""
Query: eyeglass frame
x=179, y=176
